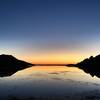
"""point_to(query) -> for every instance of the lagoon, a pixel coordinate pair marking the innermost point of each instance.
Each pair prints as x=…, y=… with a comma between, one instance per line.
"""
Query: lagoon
x=50, y=83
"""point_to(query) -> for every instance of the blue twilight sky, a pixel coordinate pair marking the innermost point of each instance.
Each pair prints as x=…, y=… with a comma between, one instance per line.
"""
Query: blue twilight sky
x=33, y=28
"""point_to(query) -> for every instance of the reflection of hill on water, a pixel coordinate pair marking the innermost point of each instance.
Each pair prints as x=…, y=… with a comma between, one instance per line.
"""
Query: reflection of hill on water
x=10, y=65
x=90, y=65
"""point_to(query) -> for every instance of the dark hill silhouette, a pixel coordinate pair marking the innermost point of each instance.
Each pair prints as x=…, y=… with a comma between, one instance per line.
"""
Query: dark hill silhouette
x=10, y=65
x=90, y=65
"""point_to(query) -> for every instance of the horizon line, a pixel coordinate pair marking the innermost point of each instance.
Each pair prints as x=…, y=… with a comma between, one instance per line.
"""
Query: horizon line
x=52, y=64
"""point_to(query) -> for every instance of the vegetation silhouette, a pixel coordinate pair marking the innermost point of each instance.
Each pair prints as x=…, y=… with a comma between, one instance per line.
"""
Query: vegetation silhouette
x=10, y=65
x=90, y=65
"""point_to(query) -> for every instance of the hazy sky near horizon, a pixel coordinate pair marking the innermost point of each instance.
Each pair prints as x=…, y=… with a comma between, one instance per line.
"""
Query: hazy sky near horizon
x=58, y=31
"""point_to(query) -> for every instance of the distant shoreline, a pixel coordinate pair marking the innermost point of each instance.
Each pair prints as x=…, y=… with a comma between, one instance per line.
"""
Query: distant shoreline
x=70, y=65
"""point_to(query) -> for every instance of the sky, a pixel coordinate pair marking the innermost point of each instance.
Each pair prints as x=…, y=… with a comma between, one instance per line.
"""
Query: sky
x=50, y=31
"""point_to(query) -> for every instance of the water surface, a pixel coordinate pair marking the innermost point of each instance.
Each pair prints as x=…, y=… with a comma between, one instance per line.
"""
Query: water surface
x=55, y=82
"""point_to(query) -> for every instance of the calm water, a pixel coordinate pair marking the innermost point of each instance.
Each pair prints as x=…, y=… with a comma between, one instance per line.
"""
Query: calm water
x=55, y=82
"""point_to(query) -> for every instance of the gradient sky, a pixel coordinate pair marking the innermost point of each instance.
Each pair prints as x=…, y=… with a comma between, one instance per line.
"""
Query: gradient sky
x=50, y=31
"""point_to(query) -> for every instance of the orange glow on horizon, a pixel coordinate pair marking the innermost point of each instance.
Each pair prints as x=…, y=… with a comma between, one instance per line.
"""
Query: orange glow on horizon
x=53, y=58
x=62, y=57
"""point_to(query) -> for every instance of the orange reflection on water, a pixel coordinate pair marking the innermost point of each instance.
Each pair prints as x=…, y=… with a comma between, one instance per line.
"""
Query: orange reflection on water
x=61, y=73
x=48, y=69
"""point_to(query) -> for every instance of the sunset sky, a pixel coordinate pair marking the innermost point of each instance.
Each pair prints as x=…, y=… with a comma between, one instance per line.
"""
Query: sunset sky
x=50, y=31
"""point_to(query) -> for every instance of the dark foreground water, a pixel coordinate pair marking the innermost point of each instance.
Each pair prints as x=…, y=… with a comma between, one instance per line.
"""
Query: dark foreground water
x=50, y=83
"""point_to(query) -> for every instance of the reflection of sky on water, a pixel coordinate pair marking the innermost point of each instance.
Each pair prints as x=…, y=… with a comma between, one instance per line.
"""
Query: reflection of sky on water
x=48, y=81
